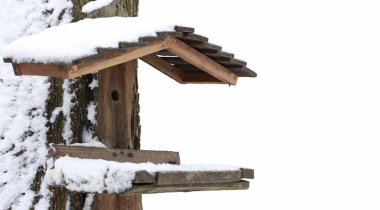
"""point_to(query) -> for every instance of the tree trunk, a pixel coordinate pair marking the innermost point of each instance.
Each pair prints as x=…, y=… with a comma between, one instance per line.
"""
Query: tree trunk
x=111, y=99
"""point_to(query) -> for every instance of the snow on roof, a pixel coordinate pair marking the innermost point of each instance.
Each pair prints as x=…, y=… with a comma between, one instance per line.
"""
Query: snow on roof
x=89, y=175
x=63, y=44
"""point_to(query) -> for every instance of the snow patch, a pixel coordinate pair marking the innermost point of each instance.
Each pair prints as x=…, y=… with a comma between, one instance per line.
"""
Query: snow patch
x=91, y=113
x=94, y=5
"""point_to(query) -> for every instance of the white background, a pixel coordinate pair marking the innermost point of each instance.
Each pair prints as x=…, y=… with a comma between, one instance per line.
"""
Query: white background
x=308, y=124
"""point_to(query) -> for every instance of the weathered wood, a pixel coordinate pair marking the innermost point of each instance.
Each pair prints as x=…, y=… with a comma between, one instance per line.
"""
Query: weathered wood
x=201, y=61
x=150, y=189
x=243, y=72
x=132, y=44
x=153, y=188
x=104, y=51
x=7, y=60
x=165, y=34
x=143, y=177
x=106, y=62
x=151, y=39
x=229, y=62
x=220, y=55
x=118, y=155
x=247, y=173
x=164, y=67
x=116, y=99
x=200, y=77
x=197, y=177
x=184, y=29
x=165, y=53
x=60, y=71
x=195, y=37
x=115, y=105
x=207, y=46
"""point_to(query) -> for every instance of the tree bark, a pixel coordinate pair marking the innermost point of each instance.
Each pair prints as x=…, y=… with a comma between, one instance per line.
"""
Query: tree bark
x=81, y=93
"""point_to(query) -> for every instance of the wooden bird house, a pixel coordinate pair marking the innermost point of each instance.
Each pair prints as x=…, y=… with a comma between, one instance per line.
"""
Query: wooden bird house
x=180, y=54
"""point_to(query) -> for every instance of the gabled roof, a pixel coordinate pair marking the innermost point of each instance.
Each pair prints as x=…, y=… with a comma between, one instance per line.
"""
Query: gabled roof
x=179, y=53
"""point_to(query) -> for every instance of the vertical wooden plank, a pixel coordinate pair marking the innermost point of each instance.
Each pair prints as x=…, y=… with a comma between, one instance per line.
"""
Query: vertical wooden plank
x=115, y=98
x=115, y=105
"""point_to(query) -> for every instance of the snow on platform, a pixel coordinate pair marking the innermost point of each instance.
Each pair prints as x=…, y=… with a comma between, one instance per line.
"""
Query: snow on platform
x=96, y=175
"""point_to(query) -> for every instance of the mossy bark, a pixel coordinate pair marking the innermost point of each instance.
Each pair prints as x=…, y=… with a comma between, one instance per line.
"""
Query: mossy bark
x=82, y=95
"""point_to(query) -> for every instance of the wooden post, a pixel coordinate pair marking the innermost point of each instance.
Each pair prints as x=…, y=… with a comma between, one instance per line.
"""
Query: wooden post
x=115, y=103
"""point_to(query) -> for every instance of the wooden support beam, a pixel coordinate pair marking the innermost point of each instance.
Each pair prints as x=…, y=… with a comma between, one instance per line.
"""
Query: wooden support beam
x=164, y=67
x=51, y=70
x=109, y=61
x=197, y=177
x=150, y=189
x=247, y=173
x=201, y=61
x=118, y=155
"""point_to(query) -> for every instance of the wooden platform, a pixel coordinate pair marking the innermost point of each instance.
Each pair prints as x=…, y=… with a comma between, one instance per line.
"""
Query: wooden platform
x=188, y=181
x=182, y=55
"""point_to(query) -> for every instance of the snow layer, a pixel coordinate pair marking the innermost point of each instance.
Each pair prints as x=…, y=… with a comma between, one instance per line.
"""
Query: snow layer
x=65, y=43
x=94, y=5
x=100, y=175
x=22, y=102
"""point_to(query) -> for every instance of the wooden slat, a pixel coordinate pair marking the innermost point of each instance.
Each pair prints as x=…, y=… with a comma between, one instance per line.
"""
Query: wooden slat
x=7, y=60
x=164, y=67
x=220, y=55
x=200, y=78
x=143, y=177
x=118, y=155
x=52, y=70
x=151, y=39
x=165, y=34
x=132, y=44
x=247, y=173
x=205, y=46
x=165, y=53
x=229, y=62
x=150, y=189
x=197, y=177
x=243, y=72
x=201, y=61
x=196, y=37
x=184, y=29
x=103, y=51
x=100, y=64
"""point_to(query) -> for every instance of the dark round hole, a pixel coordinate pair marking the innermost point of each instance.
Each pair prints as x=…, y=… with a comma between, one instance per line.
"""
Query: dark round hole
x=115, y=95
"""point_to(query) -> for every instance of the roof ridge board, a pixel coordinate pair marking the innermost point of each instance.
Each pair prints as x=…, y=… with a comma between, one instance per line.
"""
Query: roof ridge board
x=165, y=34
x=184, y=29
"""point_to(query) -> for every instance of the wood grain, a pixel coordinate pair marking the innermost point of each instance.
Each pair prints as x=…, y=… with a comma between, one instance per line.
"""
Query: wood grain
x=201, y=61
x=150, y=189
x=197, y=177
x=118, y=155
x=164, y=67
